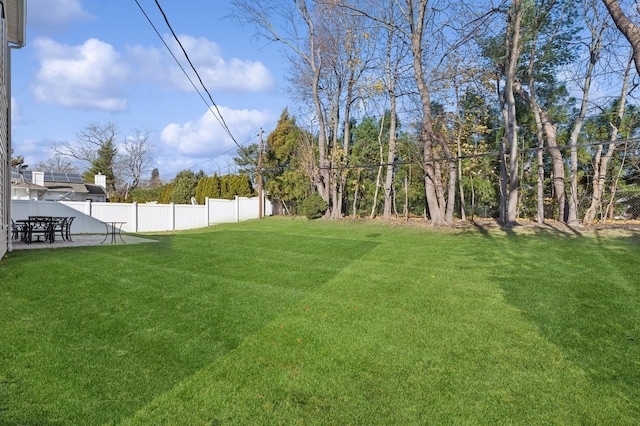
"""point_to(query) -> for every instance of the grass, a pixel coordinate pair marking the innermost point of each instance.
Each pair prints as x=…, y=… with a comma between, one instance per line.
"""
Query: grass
x=293, y=322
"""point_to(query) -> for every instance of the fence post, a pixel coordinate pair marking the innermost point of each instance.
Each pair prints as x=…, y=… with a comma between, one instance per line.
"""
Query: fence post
x=172, y=217
x=134, y=216
x=206, y=210
x=87, y=208
x=237, y=213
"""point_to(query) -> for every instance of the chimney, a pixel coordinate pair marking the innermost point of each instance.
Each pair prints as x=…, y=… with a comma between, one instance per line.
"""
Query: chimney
x=101, y=180
x=37, y=178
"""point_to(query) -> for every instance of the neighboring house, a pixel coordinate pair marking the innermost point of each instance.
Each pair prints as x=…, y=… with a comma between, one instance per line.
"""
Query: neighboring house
x=48, y=186
x=13, y=14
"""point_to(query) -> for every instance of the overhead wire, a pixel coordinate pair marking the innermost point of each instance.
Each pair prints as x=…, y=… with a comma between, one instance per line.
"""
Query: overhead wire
x=217, y=114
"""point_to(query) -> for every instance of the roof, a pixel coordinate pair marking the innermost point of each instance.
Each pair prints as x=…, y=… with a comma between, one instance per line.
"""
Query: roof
x=26, y=185
x=56, y=182
x=79, y=188
x=15, y=12
x=95, y=189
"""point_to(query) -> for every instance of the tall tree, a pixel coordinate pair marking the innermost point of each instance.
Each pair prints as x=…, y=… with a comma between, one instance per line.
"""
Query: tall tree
x=247, y=161
x=509, y=163
x=603, y=156
x=294, y=26
x=550, y=29
x=183, y=187
x=104, y=163
x=56, y=163
x=627, y=27
x=596, y=25
x=155, y=178
x=95, y=149
x=136, y=158
x=286, y=180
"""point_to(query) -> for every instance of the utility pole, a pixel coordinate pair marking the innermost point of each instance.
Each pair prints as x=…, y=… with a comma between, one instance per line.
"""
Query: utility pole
x=259, y=175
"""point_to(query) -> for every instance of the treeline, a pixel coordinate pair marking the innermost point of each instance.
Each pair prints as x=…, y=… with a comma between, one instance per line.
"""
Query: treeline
x=515, y=109
x=188, y=185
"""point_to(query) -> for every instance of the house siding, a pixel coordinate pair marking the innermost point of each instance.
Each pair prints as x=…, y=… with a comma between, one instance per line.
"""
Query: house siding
x=5, y=173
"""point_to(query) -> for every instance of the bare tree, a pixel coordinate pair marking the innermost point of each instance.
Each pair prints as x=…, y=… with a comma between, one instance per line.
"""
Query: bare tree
x=627, y=27
x=597, y=26
x=601, y=159
x=136, y=158
x=88, y=142
x=510, y=141
x=298, y=33
x=57, y=163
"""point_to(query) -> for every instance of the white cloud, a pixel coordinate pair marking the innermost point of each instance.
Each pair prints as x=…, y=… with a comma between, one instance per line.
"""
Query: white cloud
x=55, y=15
x=205, y=137
x=86, y=76
x=218, y=73
x=16, y=111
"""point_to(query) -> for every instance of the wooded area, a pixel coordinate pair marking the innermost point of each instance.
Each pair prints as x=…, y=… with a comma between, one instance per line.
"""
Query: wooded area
x=449, y=109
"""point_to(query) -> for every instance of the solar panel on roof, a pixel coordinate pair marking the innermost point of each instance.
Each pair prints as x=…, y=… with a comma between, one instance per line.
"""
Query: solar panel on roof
x=60, y=177
x=48, y=177
x=27, y=175
x=74, y=178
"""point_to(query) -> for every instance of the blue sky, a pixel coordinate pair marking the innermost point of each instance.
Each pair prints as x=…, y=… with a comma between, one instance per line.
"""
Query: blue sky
x=96, y=61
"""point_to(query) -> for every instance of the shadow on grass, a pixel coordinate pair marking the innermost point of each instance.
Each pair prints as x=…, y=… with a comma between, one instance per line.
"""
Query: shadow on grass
x=582, y=294
x=110, y=328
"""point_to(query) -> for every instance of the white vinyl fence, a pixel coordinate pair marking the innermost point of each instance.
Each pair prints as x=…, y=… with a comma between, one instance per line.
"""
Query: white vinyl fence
x=90, y=216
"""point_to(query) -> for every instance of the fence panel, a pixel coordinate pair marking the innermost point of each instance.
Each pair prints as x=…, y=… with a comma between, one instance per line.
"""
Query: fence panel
x=141, y=217
x=154, y=217
x=188, y=216
x=223, y=211
x=247, y=208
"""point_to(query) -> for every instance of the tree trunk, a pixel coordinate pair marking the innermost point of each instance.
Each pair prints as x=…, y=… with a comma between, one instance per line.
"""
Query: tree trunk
x=509, y=102
x=540, y=182
x=379, y=174
x=431, y=179
x=594, y=55
x=355, y=195
x=626, y=27
x=601, y=162
x=463, y=214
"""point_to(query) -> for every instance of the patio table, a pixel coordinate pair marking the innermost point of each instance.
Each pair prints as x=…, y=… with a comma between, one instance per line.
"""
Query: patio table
x=113, y=228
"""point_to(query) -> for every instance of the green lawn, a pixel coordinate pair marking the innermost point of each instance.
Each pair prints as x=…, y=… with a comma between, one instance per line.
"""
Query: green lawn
x=287, y=321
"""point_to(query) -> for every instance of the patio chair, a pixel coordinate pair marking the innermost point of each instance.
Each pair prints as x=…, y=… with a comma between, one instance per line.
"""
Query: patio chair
x=16, y=230
x=60, y=224
x=40, y=225
x=67, y=228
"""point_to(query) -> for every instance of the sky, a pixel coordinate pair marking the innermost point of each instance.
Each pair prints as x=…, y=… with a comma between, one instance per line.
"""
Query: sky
x=95, y=62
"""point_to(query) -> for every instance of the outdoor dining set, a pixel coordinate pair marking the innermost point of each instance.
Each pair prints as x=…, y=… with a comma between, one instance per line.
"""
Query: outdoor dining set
x=41, y=228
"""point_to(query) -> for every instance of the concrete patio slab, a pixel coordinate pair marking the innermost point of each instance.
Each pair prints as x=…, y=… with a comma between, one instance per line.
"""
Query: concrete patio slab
x=81, y=241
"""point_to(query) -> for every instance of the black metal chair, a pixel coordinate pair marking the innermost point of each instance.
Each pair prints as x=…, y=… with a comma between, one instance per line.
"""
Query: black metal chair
x=40, y=226
x=16, y=230
x=67, y=228
x=60, y=224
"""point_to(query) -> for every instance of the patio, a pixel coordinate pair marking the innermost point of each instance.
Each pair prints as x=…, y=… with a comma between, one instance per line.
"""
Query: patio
x=83, y=240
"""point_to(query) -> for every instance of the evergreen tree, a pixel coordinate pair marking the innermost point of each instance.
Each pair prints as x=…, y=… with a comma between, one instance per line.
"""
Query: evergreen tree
x=247, y=161
x=184, y=186
x=285, y=177
x=104, y=164
x=236, y=185
x=155, y=178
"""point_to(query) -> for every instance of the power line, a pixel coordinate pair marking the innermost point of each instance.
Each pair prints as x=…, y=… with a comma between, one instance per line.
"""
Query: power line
x=218, y=116
x=477, y=155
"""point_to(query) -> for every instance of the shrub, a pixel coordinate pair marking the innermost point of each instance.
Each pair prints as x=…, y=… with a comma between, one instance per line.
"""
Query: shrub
x=313, y=207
